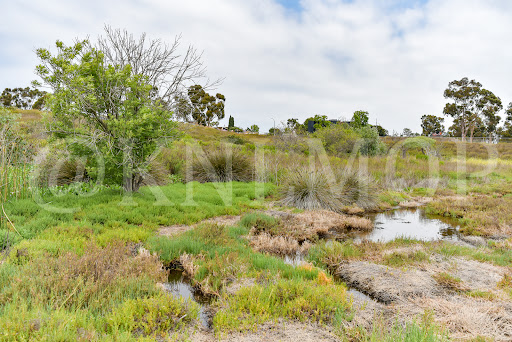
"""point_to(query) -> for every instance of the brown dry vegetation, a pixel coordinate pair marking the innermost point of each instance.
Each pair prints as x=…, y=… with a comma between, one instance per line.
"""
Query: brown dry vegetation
x=89, y=281
x=482, y=215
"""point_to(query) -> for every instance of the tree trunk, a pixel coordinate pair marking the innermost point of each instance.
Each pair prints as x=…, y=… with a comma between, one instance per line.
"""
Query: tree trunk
x=133, y=183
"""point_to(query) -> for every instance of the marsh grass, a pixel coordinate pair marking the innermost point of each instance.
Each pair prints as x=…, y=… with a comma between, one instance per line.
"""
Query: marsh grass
x=292, y=299
x=96, y=281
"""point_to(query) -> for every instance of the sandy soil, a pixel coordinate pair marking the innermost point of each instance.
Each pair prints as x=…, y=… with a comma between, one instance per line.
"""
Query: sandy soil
x=278, y=332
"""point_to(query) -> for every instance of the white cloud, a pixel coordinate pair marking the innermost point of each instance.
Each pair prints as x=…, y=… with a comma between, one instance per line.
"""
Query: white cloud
x=333, y=57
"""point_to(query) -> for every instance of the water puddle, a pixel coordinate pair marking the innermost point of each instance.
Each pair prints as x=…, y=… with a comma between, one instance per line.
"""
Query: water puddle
x=294, y=260
x=179, y=287
x=359, y=295
x=409, y=223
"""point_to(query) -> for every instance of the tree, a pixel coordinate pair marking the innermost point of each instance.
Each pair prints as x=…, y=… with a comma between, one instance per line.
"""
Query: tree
x=168, y=70
x=274, y=131
x=470, y=103
x=506, y=130
x=23, y=98
x=182, y=108
x=382, y=131
x=318, y=121
x=371, y=144
x=99, y=96
x=359, y=119
x=455, y=131
x=490, y=106
x=292, y=125
x=254, y=129
x=231, y=123
x=432, y=124
x=206, y=108
x=407, y=132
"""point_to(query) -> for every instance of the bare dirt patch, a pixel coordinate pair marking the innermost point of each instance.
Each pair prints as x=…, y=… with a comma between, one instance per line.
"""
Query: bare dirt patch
x=280, y=331
x=385, y=284
x=181, y=228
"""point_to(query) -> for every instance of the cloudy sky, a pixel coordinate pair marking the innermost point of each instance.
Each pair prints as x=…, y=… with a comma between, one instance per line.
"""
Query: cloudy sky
x=292, y=59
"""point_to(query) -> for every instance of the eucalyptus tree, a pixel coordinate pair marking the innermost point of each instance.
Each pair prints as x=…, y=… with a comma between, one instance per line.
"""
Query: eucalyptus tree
x=471, y=103
x=432, y=124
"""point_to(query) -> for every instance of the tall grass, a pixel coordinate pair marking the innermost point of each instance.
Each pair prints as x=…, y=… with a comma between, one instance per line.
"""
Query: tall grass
x=14, y=171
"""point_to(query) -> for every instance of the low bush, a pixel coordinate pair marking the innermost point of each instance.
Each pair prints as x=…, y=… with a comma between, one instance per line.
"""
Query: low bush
x=338, y=139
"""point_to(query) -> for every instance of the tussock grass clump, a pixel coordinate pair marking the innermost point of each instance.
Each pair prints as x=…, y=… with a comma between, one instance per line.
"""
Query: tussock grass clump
x=311, y=191
x=221, y=166
x=96, y=281
x=359, y=189
x=275, y=244
x=450, y=282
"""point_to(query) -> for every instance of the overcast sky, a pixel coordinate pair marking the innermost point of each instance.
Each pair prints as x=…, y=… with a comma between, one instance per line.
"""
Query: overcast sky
x=293, y=59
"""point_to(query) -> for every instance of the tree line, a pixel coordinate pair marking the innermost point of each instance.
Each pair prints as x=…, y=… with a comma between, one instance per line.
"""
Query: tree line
x=474, y=110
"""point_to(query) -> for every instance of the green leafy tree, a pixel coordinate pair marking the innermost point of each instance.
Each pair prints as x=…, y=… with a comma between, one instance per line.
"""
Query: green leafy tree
x=319, y=120
x=109, y=105
x=231, y=122
x=292, y=125
x=206, y=108
x=254, y=129
x=23, y=98
x=470, y=104
x=274, y=131
x=432, y=124
x=407, y=132
x=506, y=130
x=359, y=119
x=382, y=131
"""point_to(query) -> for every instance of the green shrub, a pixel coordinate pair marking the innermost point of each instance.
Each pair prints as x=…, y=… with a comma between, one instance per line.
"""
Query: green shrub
x=235, y=139
x=371, y=144
x=338, y=139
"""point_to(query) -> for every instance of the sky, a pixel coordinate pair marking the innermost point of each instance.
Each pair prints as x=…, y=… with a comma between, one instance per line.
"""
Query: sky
x=285, y=59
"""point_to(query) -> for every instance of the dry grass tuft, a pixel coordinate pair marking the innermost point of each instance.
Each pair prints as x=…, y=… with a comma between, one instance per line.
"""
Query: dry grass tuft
x=469, y=318
x=450, y=282
x=275, y=244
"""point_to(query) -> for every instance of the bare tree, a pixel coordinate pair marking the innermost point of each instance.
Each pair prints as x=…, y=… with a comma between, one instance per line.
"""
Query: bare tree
x=166, y=69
